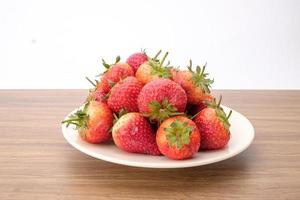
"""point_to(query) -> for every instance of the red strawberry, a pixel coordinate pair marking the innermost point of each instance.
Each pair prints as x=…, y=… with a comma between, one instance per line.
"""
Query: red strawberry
x=99, y=92
x=124, y=95
x=178, y=138
x=196, y=84
x=153, y=69
x=114, y=73
x=214, y=126
x=93, y=122
x=97, y=95
x=133, y=133
x=136, y=59
x=161, y=99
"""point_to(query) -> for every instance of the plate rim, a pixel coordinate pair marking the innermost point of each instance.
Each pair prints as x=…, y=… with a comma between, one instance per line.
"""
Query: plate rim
x=158, y=165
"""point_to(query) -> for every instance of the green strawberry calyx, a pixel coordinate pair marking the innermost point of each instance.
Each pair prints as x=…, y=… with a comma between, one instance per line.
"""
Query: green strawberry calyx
x=220, y=112
x=80, y=118
x=178, y=134
x=118, y=115
x=107, y=66
x=92, y=82
x=161, y=111
x=158, y=69
x=200, y=78
x=144, y=51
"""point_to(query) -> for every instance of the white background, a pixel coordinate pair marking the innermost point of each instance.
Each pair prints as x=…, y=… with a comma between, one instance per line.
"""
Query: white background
x=250, y=44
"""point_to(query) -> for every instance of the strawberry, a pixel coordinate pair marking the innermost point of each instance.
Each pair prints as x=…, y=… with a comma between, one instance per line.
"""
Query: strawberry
x=153, y=69
x=114, y=73
x=124, y=95
x=196, y=84
x=178, y=138
x=136, y=59
x=93, y=122
x=161, y=99
x=97, y=95
x=214, y=126
x=133, y=133
x=99, y=92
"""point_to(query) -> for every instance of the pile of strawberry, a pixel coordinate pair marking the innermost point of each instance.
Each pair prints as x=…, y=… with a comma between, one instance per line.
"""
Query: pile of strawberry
x=149, y=107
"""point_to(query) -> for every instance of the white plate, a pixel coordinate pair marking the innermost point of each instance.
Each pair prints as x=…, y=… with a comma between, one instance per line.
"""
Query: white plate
x=242, y=134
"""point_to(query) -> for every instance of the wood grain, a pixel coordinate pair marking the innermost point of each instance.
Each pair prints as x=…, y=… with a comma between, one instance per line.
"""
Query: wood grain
x=37, y=163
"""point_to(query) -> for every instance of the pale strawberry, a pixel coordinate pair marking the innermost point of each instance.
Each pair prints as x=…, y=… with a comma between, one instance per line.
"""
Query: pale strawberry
x=153, y=69
x=93, y=122
x=196, y=84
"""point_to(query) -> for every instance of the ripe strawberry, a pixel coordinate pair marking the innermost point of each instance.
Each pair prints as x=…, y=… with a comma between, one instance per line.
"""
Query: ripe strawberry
x=153, y=69
x=214, y=126
x=124, y=95
x=196, y=84
x=99, y=92
x=93, y=122
x=114, y=73
x=133, y=133
x=97, y=95
x=161, y=99
x=178, y=138
x=136, y=59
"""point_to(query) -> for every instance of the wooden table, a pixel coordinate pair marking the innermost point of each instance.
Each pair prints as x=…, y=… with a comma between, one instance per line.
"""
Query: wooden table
x=37, y=163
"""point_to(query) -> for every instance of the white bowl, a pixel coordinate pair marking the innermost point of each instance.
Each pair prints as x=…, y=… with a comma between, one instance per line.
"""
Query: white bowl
x=242, y=134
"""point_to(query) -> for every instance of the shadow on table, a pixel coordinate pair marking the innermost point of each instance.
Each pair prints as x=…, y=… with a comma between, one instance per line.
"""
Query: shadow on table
x=104, y=174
